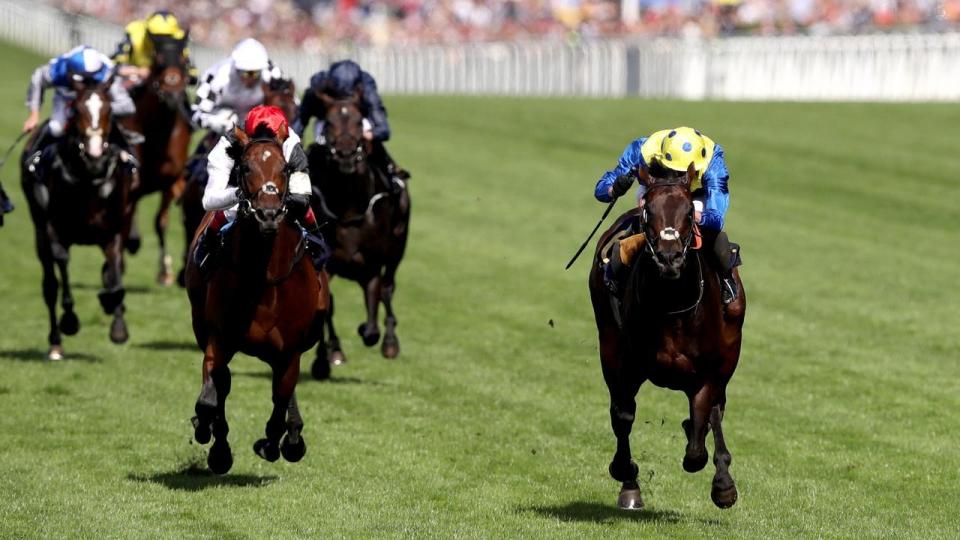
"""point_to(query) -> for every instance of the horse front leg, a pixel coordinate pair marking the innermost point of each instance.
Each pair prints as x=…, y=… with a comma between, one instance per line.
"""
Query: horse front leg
x=211, y=415
x=391, y=344
x=112, y=295
x=370, y=330
x=623, y=383
x=160, y=223
x=723, y=491
x=50, y=291
x=69, y=323
x=696, y=427
x=285, y=375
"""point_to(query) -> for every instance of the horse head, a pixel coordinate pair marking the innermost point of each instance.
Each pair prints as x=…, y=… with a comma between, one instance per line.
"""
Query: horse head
x=343, y=130
x=90, y=123
x=281, y=93
x=262, y=174
x=168, y=75
x=667, y=218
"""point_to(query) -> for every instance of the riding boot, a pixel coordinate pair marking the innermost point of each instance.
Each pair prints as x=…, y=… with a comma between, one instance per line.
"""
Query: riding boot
x=728, y=255
x=6, y=205
x=316, y=246
x=210, y=245
x=395, y=176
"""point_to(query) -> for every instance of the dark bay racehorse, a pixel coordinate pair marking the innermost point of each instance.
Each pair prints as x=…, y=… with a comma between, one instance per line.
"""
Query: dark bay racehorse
x=264, y=300
x=370, y=225
x=78, y=194
x=281, y=94
x=676, y=334
x=164, y=120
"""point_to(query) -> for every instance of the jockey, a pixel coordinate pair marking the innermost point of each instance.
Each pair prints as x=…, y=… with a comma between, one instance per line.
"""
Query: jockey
x=80, y=66
x=342, y=80
x=221, y=197
x=6, y=205
x=134, y=55
x=231, y=87
x=667, y=154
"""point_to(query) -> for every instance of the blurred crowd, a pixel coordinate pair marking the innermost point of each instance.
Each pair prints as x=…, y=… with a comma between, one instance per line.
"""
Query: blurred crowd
x=315, y=24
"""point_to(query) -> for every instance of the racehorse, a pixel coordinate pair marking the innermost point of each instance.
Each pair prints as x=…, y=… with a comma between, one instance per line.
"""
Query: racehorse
x=164, y=120
x=80, y=196
x=370, y=226
x=279, y=93
x=675, y=333
x=264, y=300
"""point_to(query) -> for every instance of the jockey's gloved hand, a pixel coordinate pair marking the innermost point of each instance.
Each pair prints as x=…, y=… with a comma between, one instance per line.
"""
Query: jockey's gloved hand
x=622, y=184
x=297, y=204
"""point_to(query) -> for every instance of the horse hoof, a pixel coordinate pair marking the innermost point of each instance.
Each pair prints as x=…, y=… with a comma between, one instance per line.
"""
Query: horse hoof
x=390, y=347
x=220, y=459
x=118, y=331
x=55, y=353
x=621, y=473
x=201, y=430
x=165, y=279
x=337, y=358
x=724, y=498
x=133, y=245
x=695, y=463
x=370, y=339
x=320, y=369
x=630, y=499
x=267, y=450
x=69, y=323
x=290, y=451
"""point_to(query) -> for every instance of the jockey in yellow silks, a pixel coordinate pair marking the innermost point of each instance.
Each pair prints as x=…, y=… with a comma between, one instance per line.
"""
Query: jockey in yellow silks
x=667, y=154
x=134, y=54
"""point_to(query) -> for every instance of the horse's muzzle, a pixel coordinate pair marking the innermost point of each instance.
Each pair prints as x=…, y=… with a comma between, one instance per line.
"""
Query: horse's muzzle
x=268, y=219
x=670, y=263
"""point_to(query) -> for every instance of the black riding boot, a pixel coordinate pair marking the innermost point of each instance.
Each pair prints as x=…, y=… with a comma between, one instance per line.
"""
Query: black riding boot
x=728, y=255
x=316, y=246
x=208, y=251
x=614, y=275
x=396, y=176
x=6, y=205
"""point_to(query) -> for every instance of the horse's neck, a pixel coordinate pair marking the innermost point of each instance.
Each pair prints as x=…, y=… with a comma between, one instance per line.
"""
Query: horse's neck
x=352, y=191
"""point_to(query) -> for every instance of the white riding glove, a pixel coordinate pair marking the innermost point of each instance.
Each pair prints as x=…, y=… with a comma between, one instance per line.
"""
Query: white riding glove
x=220, y=121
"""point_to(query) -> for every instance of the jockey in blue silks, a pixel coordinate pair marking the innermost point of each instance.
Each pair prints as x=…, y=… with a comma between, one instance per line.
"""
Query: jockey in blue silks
x=668, y=154
x=343, y=80
x=81, y=66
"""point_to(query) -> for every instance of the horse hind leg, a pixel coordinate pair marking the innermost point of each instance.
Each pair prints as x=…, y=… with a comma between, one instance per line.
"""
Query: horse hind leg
x=160, y=223
x=370, y=330
x=113, y=293
x=292, y=446
x=724, y=490
x=50, y=291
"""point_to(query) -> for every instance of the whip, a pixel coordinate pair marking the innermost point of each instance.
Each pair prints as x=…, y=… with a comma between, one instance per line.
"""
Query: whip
x=587, y=241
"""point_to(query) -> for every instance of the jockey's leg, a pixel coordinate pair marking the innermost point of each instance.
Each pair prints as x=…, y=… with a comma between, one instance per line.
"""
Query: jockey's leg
x=121, y=104
x=6, y=205
x=298, y=203
x=727, y=255
x=210, y=244
x=622, y=254
x=384, y=162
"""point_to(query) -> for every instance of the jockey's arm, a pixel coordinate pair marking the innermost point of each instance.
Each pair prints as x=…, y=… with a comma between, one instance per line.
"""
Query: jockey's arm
x=39, y=81
x=219, y=195
x=376, y=112
x=717, y=201
x=629, y=160
x=206, y=113
x=299, y=183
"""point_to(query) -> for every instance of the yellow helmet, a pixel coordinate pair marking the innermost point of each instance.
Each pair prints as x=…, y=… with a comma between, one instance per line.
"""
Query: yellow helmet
x=163, y=23
x=681, y=147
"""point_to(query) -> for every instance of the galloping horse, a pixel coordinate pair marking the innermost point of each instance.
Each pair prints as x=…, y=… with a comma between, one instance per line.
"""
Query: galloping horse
x=676, y=334
x=164, y=120
x=81, y=197
x=264, y=300
x=371, y=226
x=278, y=92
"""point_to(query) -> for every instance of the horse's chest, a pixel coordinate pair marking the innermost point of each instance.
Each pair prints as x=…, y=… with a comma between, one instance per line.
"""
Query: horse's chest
x=671, y=364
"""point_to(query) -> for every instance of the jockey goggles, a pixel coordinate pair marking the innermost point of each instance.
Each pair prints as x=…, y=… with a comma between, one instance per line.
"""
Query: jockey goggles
x=249, y=74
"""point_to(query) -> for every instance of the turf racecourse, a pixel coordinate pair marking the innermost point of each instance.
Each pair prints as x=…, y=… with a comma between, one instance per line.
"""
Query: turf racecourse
x=493, y=423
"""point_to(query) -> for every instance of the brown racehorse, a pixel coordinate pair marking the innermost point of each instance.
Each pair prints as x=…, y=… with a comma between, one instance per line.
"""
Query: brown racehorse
x=371, y=226
x=164, y=120
x=264, y=300
x=78, y=193
x=676, y=333
x=279, y=93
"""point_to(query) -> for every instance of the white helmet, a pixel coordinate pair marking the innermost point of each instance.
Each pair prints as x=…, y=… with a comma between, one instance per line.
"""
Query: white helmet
x=249, y=55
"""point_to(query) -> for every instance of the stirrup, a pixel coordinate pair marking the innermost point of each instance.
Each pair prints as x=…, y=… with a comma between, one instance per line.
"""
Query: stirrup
x=729, y=290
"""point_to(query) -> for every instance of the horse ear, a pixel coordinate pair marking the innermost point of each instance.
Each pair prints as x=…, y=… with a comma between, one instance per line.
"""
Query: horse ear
x=283, y=132
x=240, y=135
x=691, y=175
x=643, y=174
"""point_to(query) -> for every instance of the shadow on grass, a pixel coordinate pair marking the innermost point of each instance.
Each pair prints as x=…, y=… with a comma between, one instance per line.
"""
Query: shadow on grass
x=603, y=513
x=40, y=355
x=195, y=476
x=131, y=289
x=162, y=345
x=306, y=378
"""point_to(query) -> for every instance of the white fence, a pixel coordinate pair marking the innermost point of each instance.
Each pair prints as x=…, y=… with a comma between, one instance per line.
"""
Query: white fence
x=877, y=67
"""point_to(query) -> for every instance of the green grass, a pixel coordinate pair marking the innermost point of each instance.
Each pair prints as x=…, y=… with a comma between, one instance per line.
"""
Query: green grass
x=493, y=423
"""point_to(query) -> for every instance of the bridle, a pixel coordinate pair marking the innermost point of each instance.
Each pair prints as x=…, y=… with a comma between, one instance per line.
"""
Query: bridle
x=246, y=198
x=359, y=152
